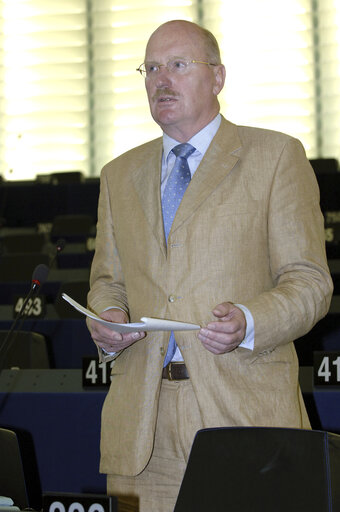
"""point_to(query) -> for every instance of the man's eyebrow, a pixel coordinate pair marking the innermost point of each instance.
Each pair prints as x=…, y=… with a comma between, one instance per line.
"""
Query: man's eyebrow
x=170, y=58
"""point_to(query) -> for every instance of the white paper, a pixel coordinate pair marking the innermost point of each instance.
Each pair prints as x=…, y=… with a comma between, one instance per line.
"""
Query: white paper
x=146, y=324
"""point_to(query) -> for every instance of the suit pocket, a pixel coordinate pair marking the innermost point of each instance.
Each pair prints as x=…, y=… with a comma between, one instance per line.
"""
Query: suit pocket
x=243, y=207
x=283, y=354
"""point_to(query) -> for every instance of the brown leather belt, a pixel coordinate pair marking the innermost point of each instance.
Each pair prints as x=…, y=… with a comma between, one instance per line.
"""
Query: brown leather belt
x=175, y=371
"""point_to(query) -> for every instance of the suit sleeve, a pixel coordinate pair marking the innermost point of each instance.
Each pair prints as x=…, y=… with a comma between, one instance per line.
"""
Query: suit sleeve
x=297, y=257
x=107, y=288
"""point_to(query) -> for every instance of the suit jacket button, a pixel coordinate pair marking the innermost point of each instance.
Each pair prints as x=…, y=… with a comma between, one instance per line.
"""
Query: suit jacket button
x=171, y=298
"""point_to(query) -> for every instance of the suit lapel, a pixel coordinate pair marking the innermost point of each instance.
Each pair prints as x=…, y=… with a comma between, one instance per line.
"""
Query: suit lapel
x=215, y=166
x=147, y=179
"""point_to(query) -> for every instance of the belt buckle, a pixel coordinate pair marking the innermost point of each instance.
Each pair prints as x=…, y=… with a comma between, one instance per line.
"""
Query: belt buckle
x=169, y=368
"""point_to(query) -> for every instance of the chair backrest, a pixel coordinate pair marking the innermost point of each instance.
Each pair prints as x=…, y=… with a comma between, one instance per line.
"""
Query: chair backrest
x=19, y=267
x=78, y=290
x=19, y=477
x=72, y=227
x=262, y=469
x=325, y=165
x=22, y=243
x=26, y=350
x=12, y=478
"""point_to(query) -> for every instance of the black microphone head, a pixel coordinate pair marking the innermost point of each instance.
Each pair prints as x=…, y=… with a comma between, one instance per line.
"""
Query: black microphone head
x=40, y=274
x=60, y=244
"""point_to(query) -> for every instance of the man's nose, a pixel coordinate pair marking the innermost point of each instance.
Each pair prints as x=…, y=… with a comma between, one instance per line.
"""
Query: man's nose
x=164, y=76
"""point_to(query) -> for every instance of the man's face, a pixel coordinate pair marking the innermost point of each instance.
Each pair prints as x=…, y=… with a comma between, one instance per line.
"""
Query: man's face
x=182, y=104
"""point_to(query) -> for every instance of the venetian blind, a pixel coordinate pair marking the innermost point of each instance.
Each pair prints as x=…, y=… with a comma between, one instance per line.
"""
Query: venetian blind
x=268, y=51
x=44, y=104
x=70, y=98
x=120, y=108
x=2, y=76
x=327, y=24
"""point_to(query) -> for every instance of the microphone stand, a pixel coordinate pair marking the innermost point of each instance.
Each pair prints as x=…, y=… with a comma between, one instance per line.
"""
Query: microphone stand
x=39, y=276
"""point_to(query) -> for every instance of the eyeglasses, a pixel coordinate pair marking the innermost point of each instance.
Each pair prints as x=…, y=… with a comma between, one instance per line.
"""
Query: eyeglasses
x=178, y=66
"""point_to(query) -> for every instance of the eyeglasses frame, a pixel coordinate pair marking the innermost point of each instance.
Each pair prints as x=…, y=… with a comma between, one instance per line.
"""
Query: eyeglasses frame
x=193, y=61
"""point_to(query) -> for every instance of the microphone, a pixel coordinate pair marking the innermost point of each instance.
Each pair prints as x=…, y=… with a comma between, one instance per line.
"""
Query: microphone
x=59, y=246
x=39, y=276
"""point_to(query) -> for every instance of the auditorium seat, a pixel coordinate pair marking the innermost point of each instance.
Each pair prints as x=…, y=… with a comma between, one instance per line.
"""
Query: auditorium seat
x=58, y=178
x=325, y=165
x=75, y=255
x=20, y=266
x=78, y=291
x=73, y=228
x=19, y=478
x=22, y=242
x=24, y=350
x=262, y=469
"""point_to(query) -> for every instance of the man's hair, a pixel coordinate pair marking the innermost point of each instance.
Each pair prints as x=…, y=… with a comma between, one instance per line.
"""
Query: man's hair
x=211, y=45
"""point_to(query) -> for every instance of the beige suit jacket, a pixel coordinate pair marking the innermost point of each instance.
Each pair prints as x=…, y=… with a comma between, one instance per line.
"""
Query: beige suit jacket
x=249, y=230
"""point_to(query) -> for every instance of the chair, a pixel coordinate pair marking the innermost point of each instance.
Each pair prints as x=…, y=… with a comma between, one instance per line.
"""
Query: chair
x=61, y=177
x=26, y=350
x=257, y=469
x=19, y=267
x=78, y=291
x=72, y=227
x=22, y=243
x=324, y=165
x=19, y=477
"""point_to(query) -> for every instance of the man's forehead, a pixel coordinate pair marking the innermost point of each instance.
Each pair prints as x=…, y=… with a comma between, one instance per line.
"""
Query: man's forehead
x=168, y=43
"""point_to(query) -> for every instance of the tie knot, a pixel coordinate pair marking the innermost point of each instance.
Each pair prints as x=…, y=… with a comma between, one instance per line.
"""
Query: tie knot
x=183, y=150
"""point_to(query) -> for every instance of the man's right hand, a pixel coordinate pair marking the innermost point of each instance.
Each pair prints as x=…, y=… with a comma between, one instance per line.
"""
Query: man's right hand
x=112, y=341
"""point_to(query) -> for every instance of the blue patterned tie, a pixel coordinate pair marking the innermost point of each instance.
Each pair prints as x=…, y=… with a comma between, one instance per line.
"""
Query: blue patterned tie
x=174, y=191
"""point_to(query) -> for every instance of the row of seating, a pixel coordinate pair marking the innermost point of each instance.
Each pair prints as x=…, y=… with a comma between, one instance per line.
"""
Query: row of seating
x=59, y=337
x=260, y=456
x=24, y=246
x=59, y=340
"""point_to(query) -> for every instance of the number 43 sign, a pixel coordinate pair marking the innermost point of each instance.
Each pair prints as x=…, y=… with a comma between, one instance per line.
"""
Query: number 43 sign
x=35, y=307
x=327, y=368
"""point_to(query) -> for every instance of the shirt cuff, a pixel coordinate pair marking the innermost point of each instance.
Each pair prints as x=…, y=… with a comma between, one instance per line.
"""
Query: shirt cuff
x=108, y=353
x=249, y=339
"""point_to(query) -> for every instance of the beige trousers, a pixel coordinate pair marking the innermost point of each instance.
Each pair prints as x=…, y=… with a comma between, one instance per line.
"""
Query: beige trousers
x=178, y=421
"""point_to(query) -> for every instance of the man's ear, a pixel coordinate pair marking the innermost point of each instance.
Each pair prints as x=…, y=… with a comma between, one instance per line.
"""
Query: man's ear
x=220, y=73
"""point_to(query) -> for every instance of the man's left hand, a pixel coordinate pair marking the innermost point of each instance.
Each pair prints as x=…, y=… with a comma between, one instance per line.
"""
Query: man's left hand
x=227, y=332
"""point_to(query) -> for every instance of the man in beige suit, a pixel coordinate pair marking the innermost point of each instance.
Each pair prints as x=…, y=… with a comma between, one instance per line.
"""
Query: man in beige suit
x=244, y=259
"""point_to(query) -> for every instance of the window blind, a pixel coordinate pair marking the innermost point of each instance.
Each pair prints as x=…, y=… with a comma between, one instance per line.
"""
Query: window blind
x=120, y=33
x=70, y=98
x=44, y=104
x=2, y=77
x=268, y=50
x=327, y=27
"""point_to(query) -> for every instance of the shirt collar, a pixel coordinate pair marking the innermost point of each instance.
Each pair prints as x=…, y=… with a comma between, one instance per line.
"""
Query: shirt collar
x=200, y=140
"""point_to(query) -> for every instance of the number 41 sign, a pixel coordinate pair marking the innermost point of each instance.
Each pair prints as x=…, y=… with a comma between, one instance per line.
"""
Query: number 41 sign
x=326, y=369
x=96, y=374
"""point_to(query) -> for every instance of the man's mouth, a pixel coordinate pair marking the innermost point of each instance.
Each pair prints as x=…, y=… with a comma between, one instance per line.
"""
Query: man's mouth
x=164, y=96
